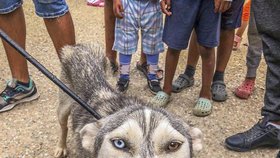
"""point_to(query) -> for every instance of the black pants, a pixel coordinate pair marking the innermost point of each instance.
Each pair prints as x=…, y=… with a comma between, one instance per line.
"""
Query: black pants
x=267, y=15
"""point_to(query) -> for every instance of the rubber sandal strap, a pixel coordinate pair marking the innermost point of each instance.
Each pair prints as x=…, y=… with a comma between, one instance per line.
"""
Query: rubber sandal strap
x=218, y=90
x=182, y=82
x=144, y=69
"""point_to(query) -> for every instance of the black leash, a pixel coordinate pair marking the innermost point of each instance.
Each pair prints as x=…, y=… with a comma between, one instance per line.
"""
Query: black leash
x=48, y=74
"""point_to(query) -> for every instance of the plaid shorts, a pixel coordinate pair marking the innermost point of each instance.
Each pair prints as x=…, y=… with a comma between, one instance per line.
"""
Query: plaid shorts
x=143, y=15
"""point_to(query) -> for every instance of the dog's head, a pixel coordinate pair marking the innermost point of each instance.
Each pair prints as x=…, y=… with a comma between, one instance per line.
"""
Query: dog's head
x=140, y=132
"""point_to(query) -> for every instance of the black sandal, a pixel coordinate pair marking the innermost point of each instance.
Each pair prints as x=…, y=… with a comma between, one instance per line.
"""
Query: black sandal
x=144, y=69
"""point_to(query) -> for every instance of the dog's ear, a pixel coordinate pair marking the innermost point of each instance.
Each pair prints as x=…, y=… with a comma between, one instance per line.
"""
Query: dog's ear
x=88, y=134
x=196, y=135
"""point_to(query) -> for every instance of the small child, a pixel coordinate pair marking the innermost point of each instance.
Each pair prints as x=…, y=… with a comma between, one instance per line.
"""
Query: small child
x=183, y=16
x=253, y=59
x=132, y=16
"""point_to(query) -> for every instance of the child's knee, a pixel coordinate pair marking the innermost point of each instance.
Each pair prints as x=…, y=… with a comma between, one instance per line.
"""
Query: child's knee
x=173, y=51
x=206, y=52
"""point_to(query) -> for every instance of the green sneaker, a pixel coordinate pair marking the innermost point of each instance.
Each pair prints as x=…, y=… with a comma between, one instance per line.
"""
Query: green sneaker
x=15, y=93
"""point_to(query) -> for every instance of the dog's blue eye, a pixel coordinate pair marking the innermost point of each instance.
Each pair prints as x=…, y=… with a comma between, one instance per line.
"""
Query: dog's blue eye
x=119, y=143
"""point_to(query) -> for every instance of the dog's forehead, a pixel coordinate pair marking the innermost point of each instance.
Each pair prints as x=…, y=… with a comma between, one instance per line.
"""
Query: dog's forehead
x=147, y=119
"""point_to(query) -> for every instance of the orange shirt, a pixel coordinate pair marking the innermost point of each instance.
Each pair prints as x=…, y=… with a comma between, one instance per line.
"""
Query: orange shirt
x=246, y=11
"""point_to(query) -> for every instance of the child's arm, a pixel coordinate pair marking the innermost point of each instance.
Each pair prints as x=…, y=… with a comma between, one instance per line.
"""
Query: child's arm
x=165, y=7
x=118, y=8
x=222, y=5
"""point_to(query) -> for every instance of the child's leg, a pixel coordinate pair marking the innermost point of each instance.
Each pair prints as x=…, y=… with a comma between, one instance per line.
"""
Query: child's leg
x=109, y=19
x=186, y=79
x=193, y=56
x=255, y=49
x=208, y=64
x=122, y=84
x=151, y=24
x=253, y=58
x=152, y=61
x=125, y=61
x=126, y=31
x=231, y=20
x=171, y=62
x=153, y=82
x=223, y=53
x=208, y=31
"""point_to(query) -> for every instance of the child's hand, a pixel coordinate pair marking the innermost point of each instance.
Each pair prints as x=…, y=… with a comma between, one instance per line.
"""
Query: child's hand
x=118, y=9
x=222, y=5
x=165, y=7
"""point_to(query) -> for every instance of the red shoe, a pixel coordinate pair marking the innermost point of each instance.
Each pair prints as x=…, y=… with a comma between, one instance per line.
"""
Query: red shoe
x=95, y=3
x=245, y=89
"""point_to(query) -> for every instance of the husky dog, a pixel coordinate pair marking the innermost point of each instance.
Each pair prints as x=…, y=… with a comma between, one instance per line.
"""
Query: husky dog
x=129, y=128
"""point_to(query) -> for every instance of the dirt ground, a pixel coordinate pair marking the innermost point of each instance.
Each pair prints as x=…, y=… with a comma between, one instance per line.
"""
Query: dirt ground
x=30, y=130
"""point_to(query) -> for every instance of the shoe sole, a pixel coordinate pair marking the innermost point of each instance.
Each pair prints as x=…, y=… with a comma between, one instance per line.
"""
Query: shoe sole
x=244, y=150
x=219, y=100
x=242, y=95
x=28, y=99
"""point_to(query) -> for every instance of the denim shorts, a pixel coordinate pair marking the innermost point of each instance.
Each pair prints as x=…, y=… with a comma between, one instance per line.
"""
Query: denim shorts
x=188, y=15
x=44, y=8
x=231, y=19
x=144, y=16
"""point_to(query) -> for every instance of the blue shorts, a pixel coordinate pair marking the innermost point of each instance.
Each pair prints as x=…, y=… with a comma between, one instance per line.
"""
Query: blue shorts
x=231, y=19
x=188, y=15
x=143, y=15
x=44, y=8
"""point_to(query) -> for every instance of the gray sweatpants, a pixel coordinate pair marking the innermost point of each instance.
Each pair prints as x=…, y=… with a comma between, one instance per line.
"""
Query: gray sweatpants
x=254, y=52
x=267, y=15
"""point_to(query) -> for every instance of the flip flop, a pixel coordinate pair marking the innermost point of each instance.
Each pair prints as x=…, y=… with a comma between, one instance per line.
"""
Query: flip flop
x=203, y=107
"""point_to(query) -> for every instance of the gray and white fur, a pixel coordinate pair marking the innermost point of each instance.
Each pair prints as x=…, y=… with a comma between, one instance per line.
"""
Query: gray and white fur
x=129, y=128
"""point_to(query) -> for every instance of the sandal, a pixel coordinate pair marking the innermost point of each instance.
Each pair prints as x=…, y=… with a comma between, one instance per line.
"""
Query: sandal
x=154, y=86
x=96, y=3
x=236, y=43
x=219, y=92
x=203, y=107
x=245, y=89
x=183, y=81
x=144, y=69
x=160, y=100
